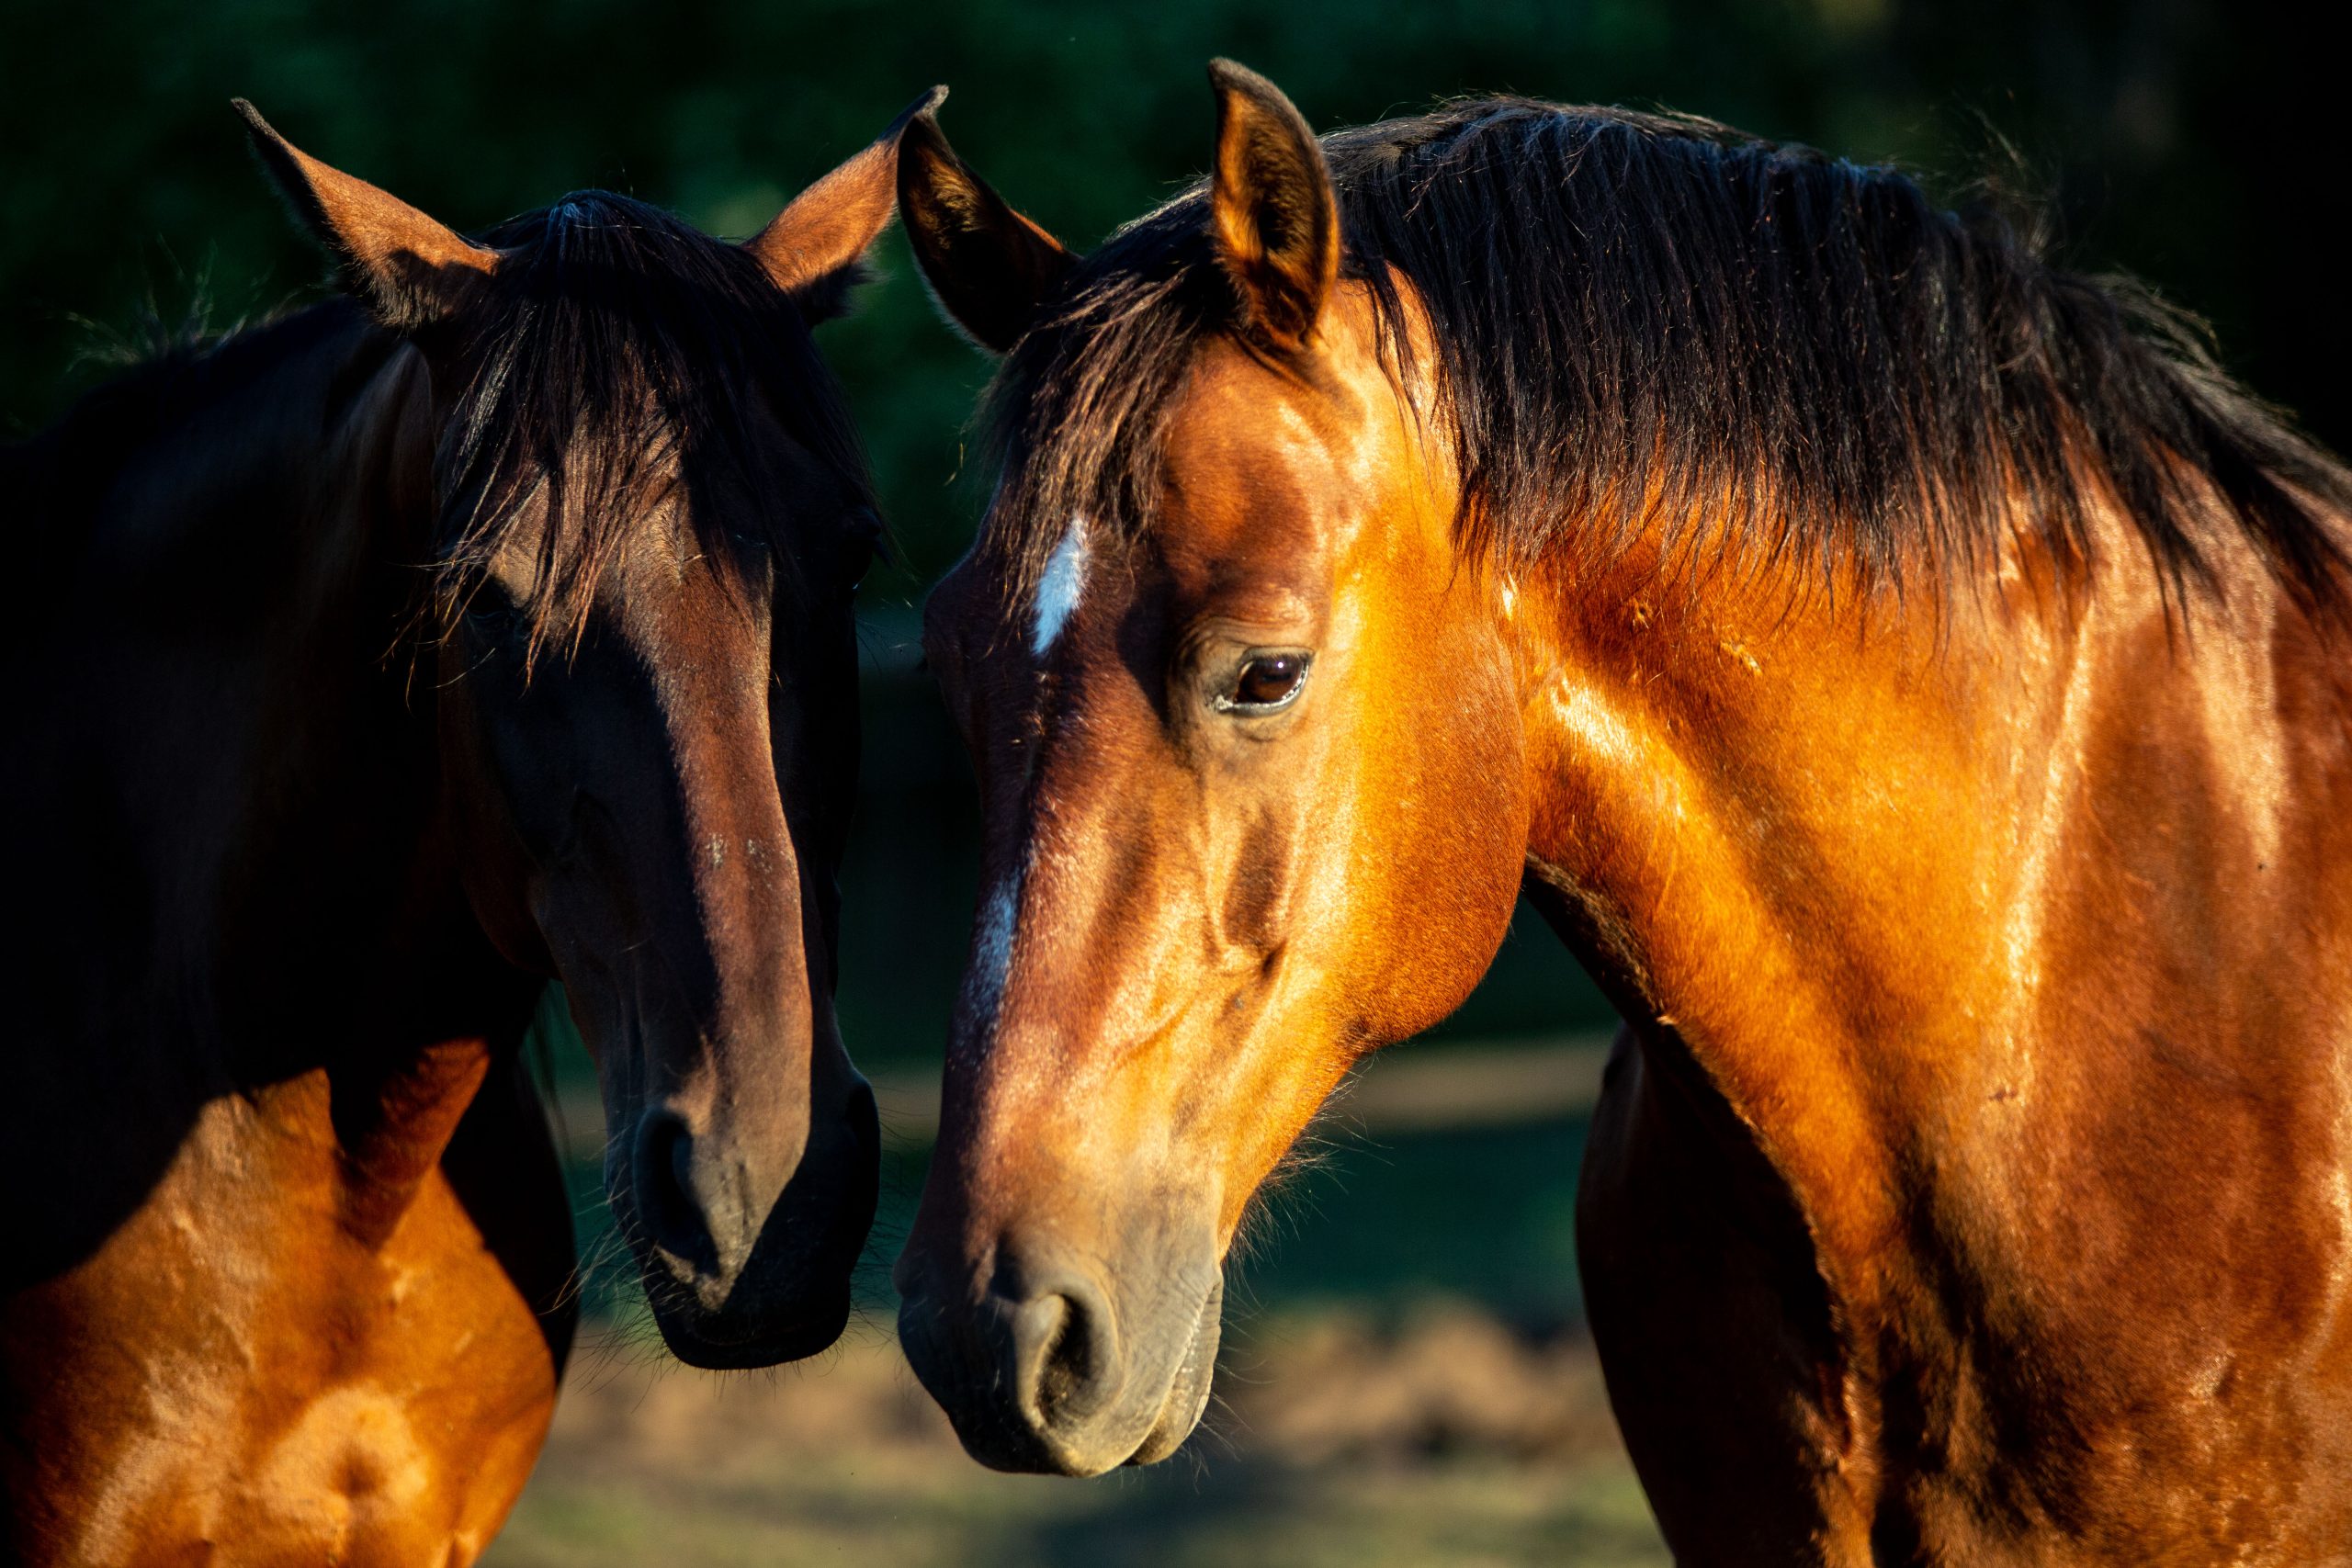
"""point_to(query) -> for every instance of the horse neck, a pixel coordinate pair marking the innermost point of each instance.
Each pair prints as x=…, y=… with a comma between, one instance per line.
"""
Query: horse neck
x=272, y=760
x=1859, y=854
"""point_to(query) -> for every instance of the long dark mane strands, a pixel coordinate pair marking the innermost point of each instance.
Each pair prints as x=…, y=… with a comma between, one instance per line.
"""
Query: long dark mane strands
x=623, y=347
x=1650, y=321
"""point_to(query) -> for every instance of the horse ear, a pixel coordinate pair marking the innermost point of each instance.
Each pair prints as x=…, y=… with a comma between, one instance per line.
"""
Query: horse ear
x=989, y=266
x=1273, y=216
x=409, y=269
x=816, y=247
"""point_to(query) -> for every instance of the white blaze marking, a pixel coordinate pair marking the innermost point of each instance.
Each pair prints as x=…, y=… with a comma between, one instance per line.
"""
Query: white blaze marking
x=992, y=954
x=1060, y=590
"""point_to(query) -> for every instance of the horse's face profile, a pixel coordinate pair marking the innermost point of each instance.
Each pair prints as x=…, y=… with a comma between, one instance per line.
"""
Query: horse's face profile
x=1234, y=834
x=652, y=515
x=655, y=811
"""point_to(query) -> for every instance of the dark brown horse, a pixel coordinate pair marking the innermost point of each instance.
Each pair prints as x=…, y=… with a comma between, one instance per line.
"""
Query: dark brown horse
x=1908, y=675
x=375, y=666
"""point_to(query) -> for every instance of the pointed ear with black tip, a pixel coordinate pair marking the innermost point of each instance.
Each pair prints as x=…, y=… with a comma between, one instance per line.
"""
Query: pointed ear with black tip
x=409, y=269
x=1273, y=218
x=988, y=267
x=815, y=249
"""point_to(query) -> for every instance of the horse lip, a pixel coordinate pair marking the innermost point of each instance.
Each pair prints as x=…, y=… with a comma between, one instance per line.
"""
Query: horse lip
x=707, y=1335
x=1174, y=1428
x=756, y=1347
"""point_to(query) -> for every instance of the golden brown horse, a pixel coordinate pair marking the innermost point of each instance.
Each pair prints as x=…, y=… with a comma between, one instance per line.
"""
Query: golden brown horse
x=375, y=666
x=1909, y=676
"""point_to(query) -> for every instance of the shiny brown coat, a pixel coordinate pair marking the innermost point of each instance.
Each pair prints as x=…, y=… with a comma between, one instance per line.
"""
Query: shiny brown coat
x=1969, y=1185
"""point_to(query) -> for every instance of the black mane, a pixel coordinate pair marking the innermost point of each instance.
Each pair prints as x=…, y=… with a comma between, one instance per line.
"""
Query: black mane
x=619, y=351
x=1642, y=319
x=615, y=351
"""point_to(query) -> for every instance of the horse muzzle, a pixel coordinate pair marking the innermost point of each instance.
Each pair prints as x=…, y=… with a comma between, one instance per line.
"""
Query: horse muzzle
x=1043, y=1370
x=743, y=1268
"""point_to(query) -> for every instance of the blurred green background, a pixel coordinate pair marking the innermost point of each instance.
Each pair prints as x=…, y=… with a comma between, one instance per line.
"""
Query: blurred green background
x=2193, y=142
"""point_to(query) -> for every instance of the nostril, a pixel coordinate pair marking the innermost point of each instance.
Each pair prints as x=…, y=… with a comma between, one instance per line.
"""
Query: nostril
x=1065, y=1364
x=1066, y=1372
x=666, y=1206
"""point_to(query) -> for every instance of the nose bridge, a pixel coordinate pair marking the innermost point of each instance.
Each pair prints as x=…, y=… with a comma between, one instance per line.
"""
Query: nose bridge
x=1063, y=1031
x=725, y=1117
x=743, y=955
x=750, y=1161
x=1094, y=891
x=746, y=872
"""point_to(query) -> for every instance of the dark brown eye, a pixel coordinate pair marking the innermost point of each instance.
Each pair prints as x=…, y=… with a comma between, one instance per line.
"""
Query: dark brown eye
x=492, y=618
x=1265, y=682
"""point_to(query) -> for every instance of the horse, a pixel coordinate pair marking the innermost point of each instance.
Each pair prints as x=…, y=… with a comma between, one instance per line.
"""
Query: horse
x=1910, y=677
x=486, y=625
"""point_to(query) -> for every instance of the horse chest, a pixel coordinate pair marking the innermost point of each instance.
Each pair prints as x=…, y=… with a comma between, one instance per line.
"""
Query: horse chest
x=236, y=1368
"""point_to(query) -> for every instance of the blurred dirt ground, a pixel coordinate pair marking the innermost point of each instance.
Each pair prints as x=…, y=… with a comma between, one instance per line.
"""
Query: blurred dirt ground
x=1442, y=1437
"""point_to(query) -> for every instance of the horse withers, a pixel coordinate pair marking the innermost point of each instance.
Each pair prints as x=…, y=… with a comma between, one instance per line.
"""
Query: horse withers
x=1911, y=678
x=489, y=627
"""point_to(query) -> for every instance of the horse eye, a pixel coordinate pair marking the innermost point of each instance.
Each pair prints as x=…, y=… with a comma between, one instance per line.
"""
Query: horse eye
x=1265, y=682
x=491, y=618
